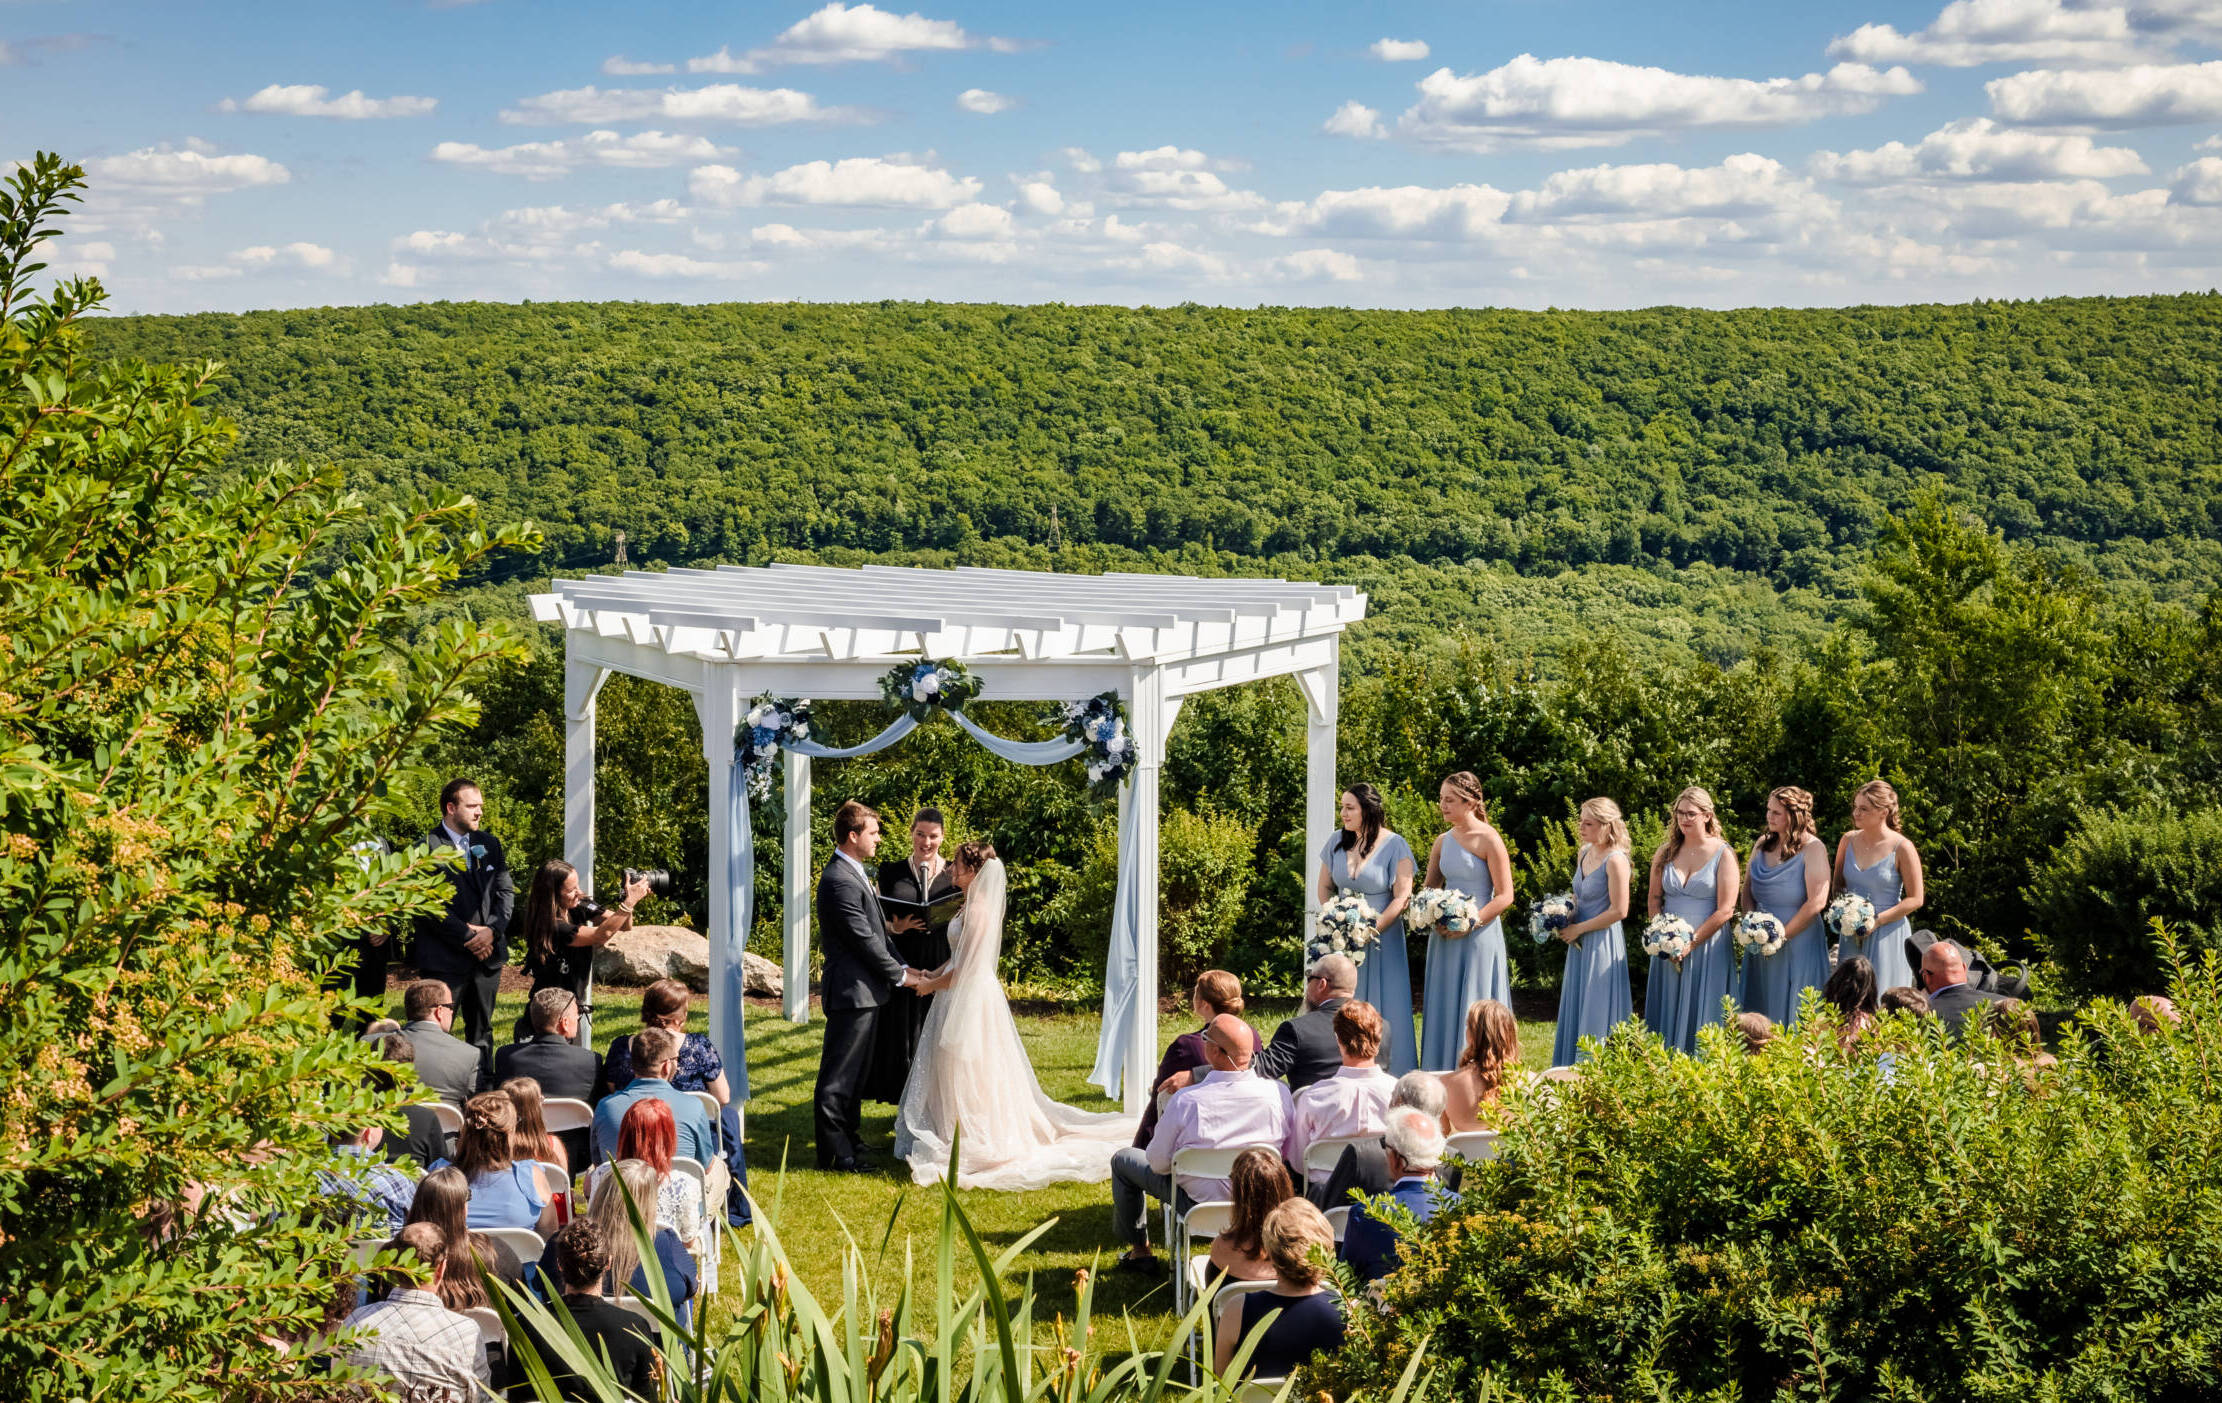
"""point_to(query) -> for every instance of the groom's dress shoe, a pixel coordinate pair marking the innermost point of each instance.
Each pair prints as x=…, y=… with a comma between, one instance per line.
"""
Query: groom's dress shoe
x=848, y=1166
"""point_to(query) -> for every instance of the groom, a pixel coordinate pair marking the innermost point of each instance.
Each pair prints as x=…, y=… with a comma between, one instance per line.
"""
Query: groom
x=861, y=974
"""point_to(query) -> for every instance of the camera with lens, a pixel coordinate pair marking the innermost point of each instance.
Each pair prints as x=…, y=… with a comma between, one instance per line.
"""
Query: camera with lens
x=590, y=912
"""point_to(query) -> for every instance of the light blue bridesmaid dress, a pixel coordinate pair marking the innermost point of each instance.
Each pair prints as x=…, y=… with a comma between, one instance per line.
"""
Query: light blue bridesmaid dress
x=1884, y=948
x=1461, y=968
x=1593, y=998
x=1681, y=1001
x=1385, y=979
x=1774, y=984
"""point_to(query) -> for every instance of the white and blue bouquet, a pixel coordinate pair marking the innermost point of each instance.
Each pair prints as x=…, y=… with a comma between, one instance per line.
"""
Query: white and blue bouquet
x=1668, y=936
x=1550, y=916
x=919, y=687
x=1849, y=917
x=1100, y=724
x=1759, y=932
x=1347, y=926
x=1443, y=911
x=770, y=723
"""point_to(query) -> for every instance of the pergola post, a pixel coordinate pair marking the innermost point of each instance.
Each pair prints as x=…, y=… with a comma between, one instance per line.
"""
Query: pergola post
x=1151, y=714
x=1322, y=705
x=582, y=683
x=717, y=707
x=795, y=910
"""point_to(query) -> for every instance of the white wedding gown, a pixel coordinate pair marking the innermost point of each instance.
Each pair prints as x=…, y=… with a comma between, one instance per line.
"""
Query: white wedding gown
x=971, y=1071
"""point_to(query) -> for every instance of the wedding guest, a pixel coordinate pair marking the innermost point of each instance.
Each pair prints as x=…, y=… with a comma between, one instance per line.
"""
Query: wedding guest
x=1469, y=857
x=2015, y=1025
x=445, y=1063
x=652, y=1062
x=552, y=1058
x=1349, y=1103
x=921, y=876
x=1260, y=1184
x=376, y=1192
x=628, y=1274
x=1756, y=1030
x=430, y=1353
x=423, y=1139
x=1301, y=1245
x=1851, y=992
x=1415, y=1149
x=665, y=1004
x=1376, y=864
x=1693, y=875
x=531, y=1143
x=505, y=1193
x=648, y=1134
x=1789, y=880
x=1593, y=994
x=466, y=945
x=2155, y=1013
x=1877, y=861
x=1944, y=978
x=1215, y=992
x=560, y=939
x=443, y=1200
x=581, y=1258
x=1303, y=1049
x=1903, y=1000
x=1232, y=1107
x=1491, y=1050
x=1364, y=1167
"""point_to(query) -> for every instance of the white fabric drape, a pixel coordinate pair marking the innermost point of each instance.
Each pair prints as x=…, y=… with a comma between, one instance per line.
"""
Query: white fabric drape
x=1022, y=752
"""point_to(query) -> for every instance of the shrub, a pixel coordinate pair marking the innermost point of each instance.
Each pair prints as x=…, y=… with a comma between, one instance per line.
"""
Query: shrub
x=2117, y=874
x=1203, y=888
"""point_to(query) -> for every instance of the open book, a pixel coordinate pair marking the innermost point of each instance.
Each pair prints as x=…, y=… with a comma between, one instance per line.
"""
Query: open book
x=933, y=912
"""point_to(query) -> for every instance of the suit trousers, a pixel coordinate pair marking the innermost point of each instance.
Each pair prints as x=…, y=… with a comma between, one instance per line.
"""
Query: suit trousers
x=1133, y=1185
x=837, y=1105
x=474, y=1012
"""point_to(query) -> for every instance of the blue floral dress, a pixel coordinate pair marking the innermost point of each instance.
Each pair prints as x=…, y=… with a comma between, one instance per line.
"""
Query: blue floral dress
x=1385, y=979
x=1461, y=968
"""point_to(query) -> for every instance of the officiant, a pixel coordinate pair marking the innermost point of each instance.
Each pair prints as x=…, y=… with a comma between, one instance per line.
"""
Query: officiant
x=920, y=879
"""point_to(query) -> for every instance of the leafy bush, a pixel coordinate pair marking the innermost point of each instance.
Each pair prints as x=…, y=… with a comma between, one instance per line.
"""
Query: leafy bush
x=1203, y=885
x=1812, y=1223
x=2115, y=876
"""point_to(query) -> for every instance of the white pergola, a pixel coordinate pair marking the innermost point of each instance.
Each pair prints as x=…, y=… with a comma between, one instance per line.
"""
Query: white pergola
x=729, y=634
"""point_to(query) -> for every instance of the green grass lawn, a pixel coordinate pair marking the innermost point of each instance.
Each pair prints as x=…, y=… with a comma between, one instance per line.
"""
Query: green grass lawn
x=818, y=1213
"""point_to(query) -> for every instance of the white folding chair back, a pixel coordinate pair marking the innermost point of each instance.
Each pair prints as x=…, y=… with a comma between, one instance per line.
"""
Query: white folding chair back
x=488, y=1321
x=1205, y=1221
x=1205, y=1337
x=363, y=1249
x=1260, y=1390
x=1325, y=1154
x=1476, y=1145
x=1339, y=1219
x=527, y=1244
x=713, y=1110
x=705, y=1250
x=567, y=1113
x=640, y=1308
x=450, y=1119
x=1195, y=1162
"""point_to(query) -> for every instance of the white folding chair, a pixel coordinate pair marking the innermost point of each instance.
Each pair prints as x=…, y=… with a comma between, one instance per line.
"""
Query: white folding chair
x=1477, y=1145
x=1209, y=1331
x=567, y=1113
x=1260, y=1390
x=450, y=1119
x=1200, y=1162
x=362, y=1250
x=712, y=1109
x=527, y=1244
x=1339, y=1220
x=1207, y=1221
x=1326, y=1154
x=705, y=1249
x=491, y=1335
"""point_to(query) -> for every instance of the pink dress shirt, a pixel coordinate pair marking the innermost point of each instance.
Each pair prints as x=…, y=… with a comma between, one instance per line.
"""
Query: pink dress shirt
x=1222, y=1111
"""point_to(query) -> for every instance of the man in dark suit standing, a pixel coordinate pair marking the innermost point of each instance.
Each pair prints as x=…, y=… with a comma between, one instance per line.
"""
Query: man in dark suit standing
x=466, y=945
x=861, y=974
x=563, y=1068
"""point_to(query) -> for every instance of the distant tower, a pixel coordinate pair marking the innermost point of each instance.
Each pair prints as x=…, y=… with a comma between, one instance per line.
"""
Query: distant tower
x=620, y=548
x=1054, y=536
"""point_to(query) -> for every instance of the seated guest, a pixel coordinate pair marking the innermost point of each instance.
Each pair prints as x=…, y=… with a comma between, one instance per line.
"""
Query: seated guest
x=1260, y=1185
x=431, y=1354
x=1365, y=1168
x=1304, y=1049
x=379, y=1027
x=1415, y=1147
x=607, y=1211
x=1300, y=1244
x=1216, y=992
x=580, y=1257
x=442, y=1200
x=654, y=1052
x=664, y=1004
x=549, y=1056
x=2155, y=1013
x=1756, y=1029
x=505, y=1193
x=1904, y=1000
x=1492, y=1049
x=1350, y=1102
x=445, y=1063
x=1943, y=975
x=2015, y=1025
x=532, y=1143
x=423, y=1139
x=1851, y=992
x=647, y=1136
x=379, y=1192
x=1232, y=1107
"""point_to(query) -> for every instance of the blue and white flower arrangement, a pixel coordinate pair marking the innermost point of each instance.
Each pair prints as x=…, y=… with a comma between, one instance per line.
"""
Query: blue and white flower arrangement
x=919, y=687
x=1347, y=926
x=1550, y=916
x=1668, y=936
x=770, y=723
x=1759, y=932
x=1443, y=911
x=1100, y=724
x=1849, y=917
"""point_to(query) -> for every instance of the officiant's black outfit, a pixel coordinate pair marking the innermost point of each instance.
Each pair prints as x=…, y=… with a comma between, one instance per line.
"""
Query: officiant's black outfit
x=861, y=974
x=895, y=1044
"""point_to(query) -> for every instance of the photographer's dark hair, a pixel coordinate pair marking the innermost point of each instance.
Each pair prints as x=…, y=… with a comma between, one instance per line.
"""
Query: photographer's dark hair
x=1372, y=815
x=849, y=818
x=452, y=791
x=541, y=915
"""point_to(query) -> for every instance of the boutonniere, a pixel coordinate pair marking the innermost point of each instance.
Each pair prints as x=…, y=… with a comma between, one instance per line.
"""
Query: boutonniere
x=478, y=850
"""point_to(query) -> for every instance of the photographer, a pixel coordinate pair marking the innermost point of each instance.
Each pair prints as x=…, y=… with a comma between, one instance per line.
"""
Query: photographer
x=563, y=929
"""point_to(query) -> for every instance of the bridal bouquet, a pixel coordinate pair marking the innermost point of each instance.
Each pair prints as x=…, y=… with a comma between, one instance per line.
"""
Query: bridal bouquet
x=1346, y=927
x=1550, y=916
x=1100, y=724
x=770, y=724
x=919, y=687
x=1760, y=933
x=1443, y=911
x=1849, y=917
x=1668, y=936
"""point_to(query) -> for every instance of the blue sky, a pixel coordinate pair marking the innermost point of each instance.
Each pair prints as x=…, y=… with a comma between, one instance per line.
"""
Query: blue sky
x=1579, y=153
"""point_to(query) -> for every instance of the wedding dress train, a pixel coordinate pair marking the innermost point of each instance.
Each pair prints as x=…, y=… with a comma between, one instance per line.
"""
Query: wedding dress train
x=972, y=1072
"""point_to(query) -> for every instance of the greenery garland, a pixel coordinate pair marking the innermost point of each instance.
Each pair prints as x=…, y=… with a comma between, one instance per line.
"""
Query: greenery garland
x=771, y=723
x=918, y=688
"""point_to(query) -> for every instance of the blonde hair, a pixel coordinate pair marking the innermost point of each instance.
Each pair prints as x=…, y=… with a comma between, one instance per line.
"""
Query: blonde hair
x=1291, y=1234
x=1492, y=1044
x=1879, y=793
x=1607, y=813
x=1797, y=806
x=607, y=1211
x=1672, y=847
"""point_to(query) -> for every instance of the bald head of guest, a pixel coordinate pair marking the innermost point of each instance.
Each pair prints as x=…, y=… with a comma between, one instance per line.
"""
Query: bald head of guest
x=1228, y=1044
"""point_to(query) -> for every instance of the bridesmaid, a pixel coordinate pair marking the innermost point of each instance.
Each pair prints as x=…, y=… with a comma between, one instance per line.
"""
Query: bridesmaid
x=1593, y=997
x=1471, y=858
x=1365, y=857
x=1789, y=880
x=1880, y=863
x=1693, y=875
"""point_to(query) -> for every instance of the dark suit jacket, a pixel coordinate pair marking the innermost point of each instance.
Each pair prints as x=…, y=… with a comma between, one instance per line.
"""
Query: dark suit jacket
x=1953, y=1005
x=562, y=1067
x=861, y=969
x=484, y=895
x=424, y=1141
x=1304, y=1049
x=1370, y=1245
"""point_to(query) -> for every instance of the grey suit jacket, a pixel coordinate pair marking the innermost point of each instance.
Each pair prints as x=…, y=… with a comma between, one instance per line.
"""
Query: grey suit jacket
x=445, y=1062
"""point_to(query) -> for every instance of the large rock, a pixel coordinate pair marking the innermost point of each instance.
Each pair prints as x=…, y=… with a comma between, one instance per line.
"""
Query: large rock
x=646, y=954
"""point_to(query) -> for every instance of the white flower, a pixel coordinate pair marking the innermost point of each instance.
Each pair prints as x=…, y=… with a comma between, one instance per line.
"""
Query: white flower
x=802, y=731
x=927, y=686
x=1118, y=745
x=1095, y=774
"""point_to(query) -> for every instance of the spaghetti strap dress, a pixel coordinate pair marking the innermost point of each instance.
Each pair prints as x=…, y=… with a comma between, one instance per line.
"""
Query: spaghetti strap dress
x=1884, y=948
x=1385, y=979
x=1679, y=1001
x=1593, y=997
x=1461, y=968
x=1775, y=984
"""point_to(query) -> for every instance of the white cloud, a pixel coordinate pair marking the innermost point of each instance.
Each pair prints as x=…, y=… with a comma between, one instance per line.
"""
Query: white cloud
x=975, y=221
x=188, y=174
x=1319, y=265
x=2142, y=95
x=547, y=160
x=559, y=221
x=619, y=66
x=858, y=180
x=1400, y=212
x=679, y=265
x=1078, y=158
x=1164, y=256
x=1162, y=158
x=1040, y=197
x=1399, y=50
x=1976, y=148
x=203, y=273
x=788, y=238
x=841, y=33
x=311, y=100
x=2199, y=183
x=2212, y=143
x=1971, y=32
x=314, y=257
x=714, y=102
x=400, y=274
x=985, y=103
x=1740, y=186
x=1355, y=119
x=1571, y=102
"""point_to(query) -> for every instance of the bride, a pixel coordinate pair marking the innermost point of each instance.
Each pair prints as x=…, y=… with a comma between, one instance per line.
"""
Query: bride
x=973, y=1072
